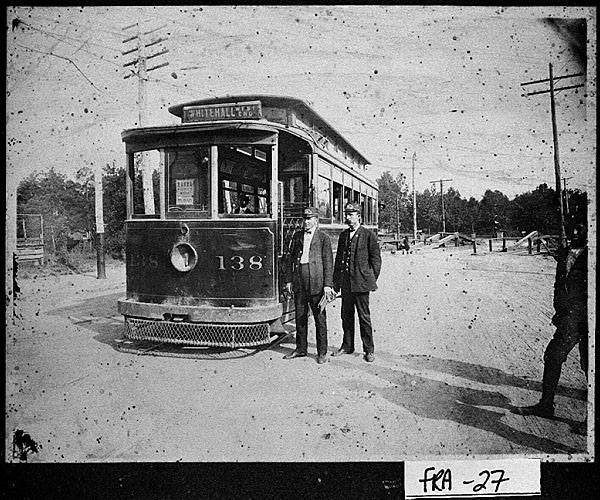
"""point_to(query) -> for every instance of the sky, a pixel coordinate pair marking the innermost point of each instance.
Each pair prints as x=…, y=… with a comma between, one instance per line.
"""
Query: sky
x=434, y=87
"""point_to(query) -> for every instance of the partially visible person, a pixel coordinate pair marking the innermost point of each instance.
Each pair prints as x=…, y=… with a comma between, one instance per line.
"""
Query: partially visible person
x=570, y=319
x=405, y=245
x=244, y=207
x=309, y=274
x=357, y=267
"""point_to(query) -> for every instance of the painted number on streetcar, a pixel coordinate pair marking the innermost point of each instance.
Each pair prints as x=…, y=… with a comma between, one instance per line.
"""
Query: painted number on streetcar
x=237, y=263
x=142, y=260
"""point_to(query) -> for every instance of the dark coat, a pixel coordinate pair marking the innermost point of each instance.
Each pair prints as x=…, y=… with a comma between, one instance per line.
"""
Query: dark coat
x=570, y=286
x=320, y=265
x=365, y=261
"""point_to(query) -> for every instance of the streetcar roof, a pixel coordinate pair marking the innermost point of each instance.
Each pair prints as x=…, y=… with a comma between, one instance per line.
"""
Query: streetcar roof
x=274, y=101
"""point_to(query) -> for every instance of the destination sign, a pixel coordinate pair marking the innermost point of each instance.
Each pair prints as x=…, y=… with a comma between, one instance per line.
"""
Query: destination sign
x=227, y=111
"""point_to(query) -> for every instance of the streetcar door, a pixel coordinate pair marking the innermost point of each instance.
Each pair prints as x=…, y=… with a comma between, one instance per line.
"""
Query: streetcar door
x=294, y=182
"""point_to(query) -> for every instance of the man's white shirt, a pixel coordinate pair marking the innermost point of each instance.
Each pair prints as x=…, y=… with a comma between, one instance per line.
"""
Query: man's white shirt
x=308, y=236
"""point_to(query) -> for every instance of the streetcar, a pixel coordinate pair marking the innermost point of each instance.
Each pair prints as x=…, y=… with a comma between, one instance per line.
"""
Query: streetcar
x=212, y=204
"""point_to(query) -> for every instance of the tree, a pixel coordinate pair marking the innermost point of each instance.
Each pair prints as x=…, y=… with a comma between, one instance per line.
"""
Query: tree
x=493, y=210
x=429, y=215
x=113, y=183
x=454, y=207
x=394, y=200
x=535, y=211
x=62, y=203
x=472, y=213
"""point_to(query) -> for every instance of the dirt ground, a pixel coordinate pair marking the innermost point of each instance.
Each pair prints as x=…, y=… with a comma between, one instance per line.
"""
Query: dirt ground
x=459, y=340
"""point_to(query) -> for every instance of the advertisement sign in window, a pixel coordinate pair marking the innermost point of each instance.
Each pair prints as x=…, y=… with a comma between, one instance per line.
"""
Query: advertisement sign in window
x=184, y=194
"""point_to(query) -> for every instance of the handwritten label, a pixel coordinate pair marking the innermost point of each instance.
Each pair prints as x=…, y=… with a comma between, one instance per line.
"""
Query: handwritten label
x=472, y=478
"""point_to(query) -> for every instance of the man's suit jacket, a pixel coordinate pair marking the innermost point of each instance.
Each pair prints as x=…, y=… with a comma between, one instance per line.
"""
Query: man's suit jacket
x=365, y=260
x=571, y=284
x=320, y=262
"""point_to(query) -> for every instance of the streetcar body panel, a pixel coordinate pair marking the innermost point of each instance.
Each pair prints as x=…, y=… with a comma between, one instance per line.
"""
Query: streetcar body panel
x=213, y=265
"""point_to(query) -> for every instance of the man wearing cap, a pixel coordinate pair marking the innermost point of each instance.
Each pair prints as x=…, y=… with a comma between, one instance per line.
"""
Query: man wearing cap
x=309, y=273
x=357, y=267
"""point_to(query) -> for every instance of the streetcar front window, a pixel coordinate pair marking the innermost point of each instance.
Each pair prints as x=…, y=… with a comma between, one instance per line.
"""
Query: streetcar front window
x=146, y=182
x=188, y=172
x=244, y=179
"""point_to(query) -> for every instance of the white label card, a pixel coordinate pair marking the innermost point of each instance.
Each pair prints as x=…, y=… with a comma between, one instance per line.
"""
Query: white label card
x=472, y=478
x=184, y=193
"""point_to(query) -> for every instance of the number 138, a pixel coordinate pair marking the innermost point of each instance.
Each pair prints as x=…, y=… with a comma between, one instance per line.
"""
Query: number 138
x=238, y=263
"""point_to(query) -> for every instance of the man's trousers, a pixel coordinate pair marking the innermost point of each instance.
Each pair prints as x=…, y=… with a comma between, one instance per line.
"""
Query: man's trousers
x=303, y=300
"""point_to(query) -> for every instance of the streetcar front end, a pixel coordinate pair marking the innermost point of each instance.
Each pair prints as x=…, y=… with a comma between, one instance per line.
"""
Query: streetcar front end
x=202, y=249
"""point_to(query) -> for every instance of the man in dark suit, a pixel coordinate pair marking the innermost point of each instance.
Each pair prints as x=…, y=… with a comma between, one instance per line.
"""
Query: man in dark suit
x=357, y=267
x=309, y=273
x=244, y=207
x=570, y=319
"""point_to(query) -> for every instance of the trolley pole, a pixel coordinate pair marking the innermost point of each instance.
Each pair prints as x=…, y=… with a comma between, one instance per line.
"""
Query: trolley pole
x=562, y=240
x=99, y=199
x=441, y=181
x=142, y=73
x=414, y=157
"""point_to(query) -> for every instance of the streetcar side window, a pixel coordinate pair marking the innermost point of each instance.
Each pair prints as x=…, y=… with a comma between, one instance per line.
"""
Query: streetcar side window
x=188, y=179
x=324, y=197
x=338, y=209
x=347, y=195
x=369, y=217
x=244, y=179
x=363, y=208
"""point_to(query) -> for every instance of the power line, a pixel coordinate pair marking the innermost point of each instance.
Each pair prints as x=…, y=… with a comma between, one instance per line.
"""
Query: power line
x=61, y=57
x=95, y=25
x=64, y=37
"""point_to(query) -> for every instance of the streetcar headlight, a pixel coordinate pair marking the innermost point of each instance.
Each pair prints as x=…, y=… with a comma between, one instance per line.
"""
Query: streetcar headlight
x=184, y=257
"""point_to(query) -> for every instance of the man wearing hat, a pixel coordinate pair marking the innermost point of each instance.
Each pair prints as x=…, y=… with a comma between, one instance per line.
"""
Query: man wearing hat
x=357, y=267
x=309, y=273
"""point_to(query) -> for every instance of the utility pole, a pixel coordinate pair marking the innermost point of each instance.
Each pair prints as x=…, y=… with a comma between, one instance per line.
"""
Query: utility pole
x=441, y=181
x=414, y=157
x=397, y=218
x=140, y=62
x=10, y=236
x=562, y=240
x=565, y=179
x=99, y=201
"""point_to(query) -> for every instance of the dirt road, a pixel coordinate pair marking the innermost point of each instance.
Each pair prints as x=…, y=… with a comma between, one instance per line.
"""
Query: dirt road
x=459, y=339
